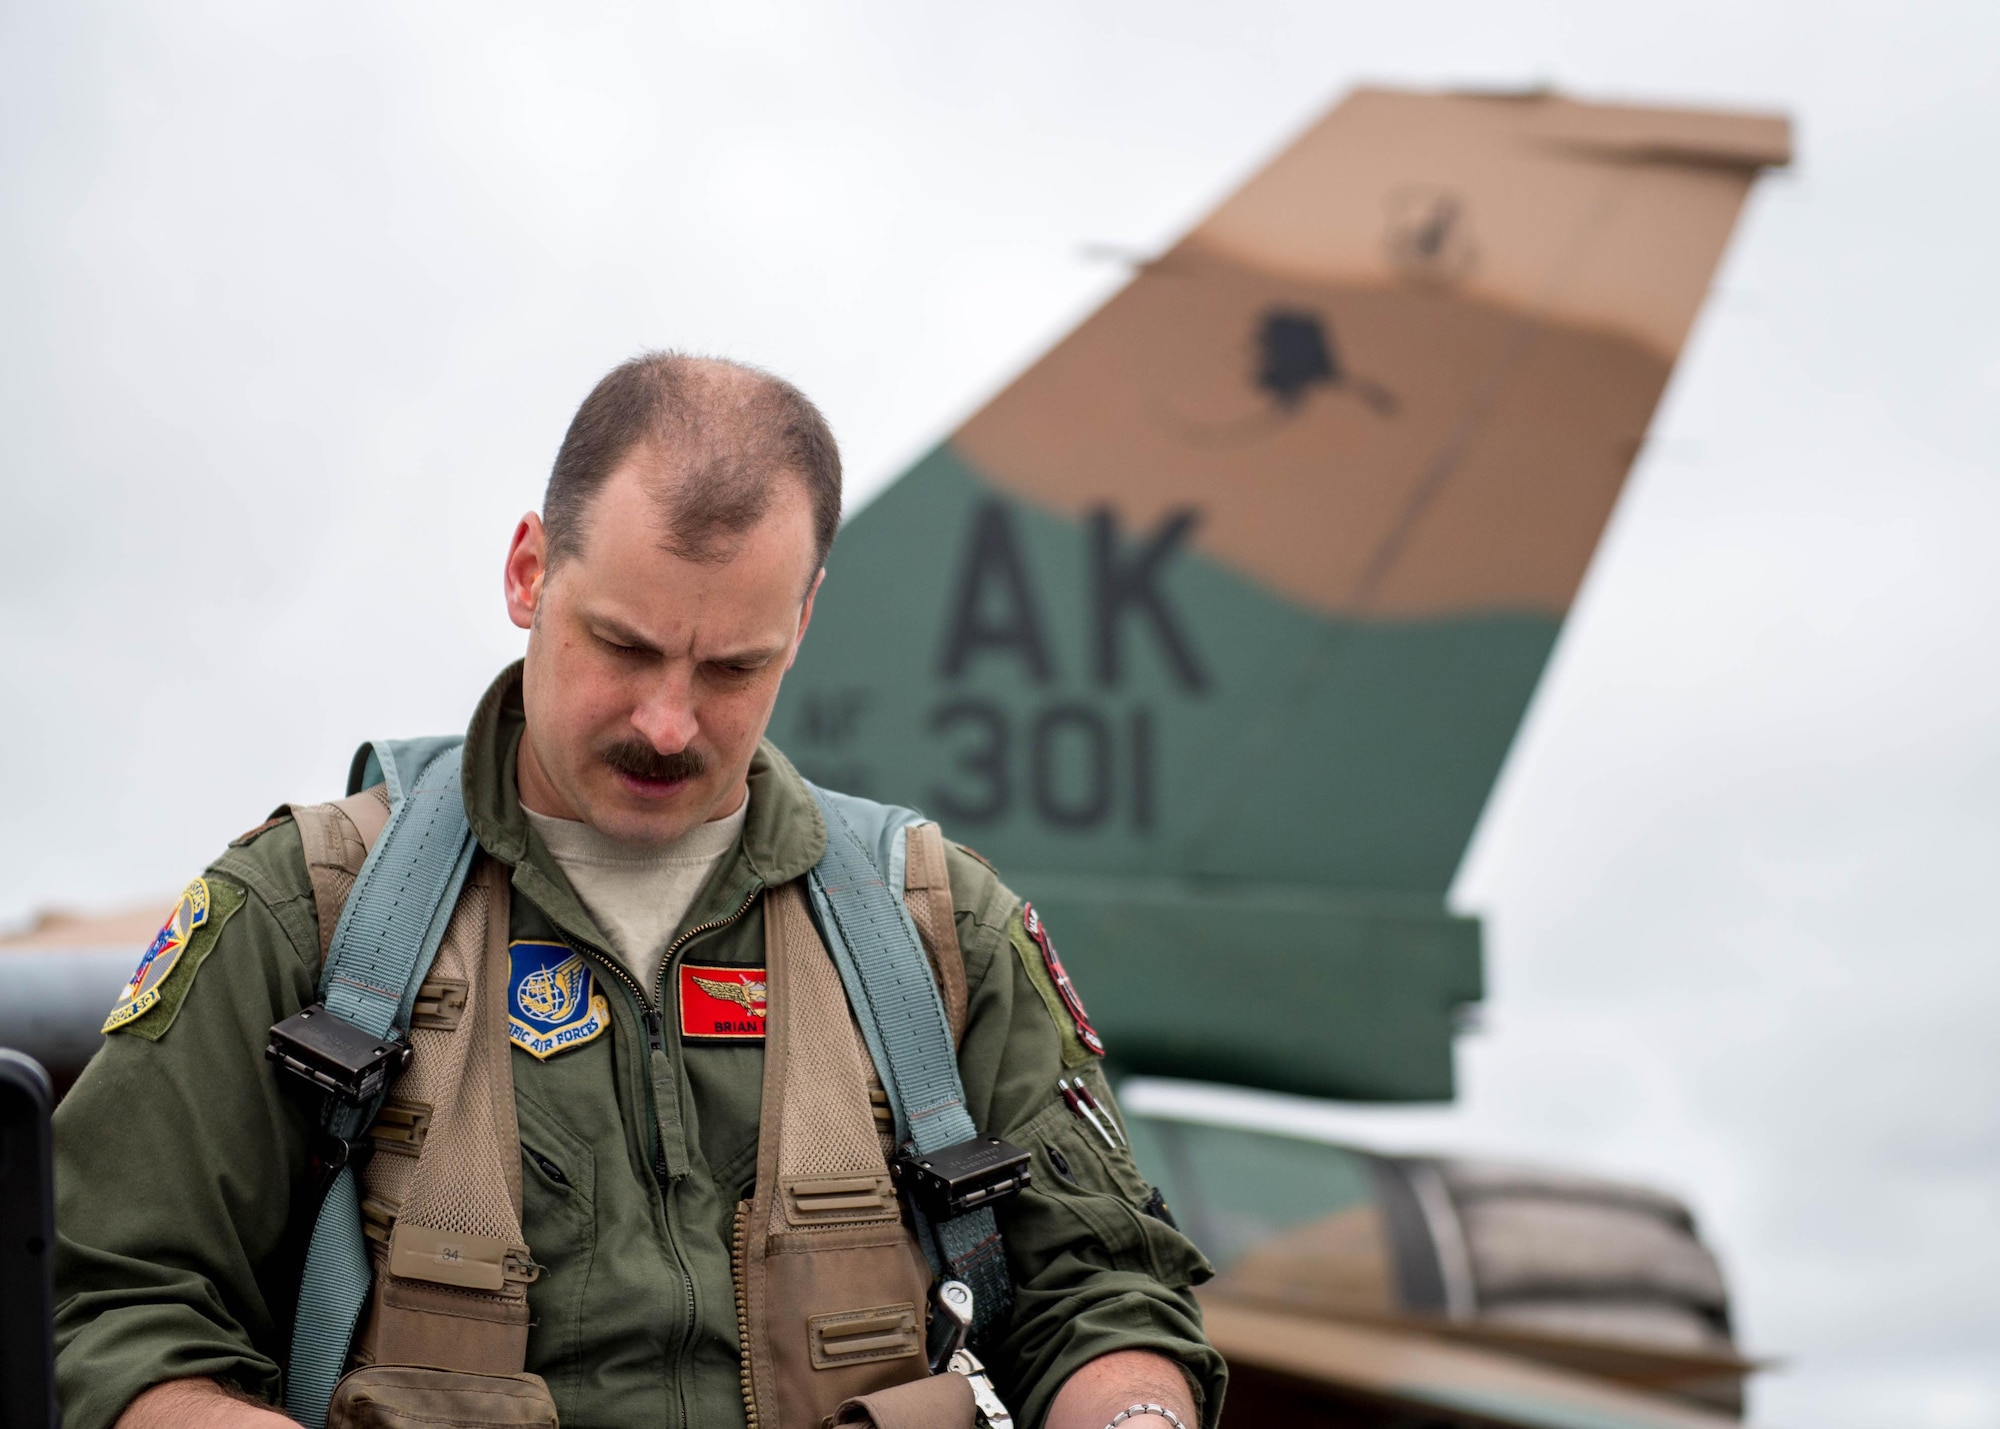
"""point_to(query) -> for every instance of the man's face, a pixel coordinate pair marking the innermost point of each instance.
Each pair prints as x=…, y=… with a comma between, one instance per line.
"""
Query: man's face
x=650, y=678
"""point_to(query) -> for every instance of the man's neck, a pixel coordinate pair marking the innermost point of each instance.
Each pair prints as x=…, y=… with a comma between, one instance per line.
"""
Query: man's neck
x=538, y=792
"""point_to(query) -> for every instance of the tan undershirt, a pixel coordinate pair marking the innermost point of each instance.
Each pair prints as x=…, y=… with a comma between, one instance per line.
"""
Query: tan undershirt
x=638, y=893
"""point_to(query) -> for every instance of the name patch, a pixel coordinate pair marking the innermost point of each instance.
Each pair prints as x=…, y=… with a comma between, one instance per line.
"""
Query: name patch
x=138, y=996
x=552, y=999
x=727, y=1004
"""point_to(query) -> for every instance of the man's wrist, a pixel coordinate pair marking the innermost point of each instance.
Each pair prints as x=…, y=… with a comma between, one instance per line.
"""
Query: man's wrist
x=198, y=1404
x=1131, y=1382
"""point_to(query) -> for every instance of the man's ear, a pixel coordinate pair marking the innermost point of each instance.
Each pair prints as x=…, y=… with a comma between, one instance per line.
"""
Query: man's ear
x=805, y=618
x=526, y=571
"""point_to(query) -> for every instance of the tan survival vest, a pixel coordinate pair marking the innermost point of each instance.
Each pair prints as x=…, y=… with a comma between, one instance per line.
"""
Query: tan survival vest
x=831, y=1286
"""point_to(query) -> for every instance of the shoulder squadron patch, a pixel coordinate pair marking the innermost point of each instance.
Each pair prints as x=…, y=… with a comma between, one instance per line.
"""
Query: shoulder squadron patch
x=726, y=1004
x=552, y=999
x=1065, y=990
x=183, y=940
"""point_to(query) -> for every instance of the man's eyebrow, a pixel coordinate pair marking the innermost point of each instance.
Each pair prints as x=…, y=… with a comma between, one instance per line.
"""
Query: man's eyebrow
x=746, y=657
x=611, y=628
x=623, y=634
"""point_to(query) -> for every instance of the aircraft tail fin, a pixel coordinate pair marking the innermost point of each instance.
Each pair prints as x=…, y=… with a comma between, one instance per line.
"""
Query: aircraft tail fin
x=1230, y=605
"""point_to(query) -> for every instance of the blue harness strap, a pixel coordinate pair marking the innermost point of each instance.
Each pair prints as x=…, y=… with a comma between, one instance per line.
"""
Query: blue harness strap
x=895, y=999
x=387, y=936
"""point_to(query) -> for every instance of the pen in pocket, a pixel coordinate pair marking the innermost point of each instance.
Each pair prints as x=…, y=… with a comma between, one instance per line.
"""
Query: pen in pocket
x=1074, y=1098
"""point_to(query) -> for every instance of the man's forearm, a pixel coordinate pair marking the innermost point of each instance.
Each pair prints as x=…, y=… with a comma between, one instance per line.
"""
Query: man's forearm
x=1105, y=1387
x=199, y=1404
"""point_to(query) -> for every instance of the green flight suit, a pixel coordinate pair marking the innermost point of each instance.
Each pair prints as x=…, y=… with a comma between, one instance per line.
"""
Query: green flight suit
x=184, y=1201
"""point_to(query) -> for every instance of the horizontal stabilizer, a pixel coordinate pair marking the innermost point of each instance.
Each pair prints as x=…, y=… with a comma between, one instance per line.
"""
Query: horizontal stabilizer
x=1600, y=1281
x=1297, y=1370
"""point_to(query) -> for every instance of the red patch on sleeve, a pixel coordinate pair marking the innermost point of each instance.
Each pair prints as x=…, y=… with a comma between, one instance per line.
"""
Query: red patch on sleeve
x=723, y=1004
x=1032, y=921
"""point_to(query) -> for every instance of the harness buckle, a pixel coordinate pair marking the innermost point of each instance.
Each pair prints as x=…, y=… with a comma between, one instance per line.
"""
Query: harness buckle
x=334, y=1056
x=946, y=1184
x=951, y=1326
x=953, y=1300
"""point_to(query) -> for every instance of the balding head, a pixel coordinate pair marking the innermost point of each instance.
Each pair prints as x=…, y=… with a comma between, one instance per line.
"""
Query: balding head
x=715, y=436
x=665, y=591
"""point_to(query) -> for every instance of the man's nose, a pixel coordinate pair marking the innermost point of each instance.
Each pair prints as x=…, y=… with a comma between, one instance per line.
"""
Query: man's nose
x=665, y=718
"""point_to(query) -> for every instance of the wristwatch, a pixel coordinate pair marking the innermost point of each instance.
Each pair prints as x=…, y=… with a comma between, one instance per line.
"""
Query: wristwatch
x=1133, y=1411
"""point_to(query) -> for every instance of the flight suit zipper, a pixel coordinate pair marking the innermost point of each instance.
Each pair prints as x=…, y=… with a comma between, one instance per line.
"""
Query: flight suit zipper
x=656, y=1045
x=650, y=1014
x=739, y=1259
x=657, y=1032
x=674, y=948
x=648, y=1017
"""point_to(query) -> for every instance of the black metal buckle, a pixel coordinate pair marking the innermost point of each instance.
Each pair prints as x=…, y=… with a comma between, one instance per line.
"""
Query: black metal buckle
x=333, y=1055
x=948, y=1183
x=331, y=1154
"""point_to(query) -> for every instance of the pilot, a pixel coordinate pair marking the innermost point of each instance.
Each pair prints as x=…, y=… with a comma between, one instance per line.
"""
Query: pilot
x=636, y=1243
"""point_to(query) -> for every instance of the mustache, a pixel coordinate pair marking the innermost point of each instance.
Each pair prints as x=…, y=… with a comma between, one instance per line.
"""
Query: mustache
x=642, y=761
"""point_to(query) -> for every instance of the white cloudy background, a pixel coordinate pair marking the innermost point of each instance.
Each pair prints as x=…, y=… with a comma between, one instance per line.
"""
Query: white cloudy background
x=295, y=302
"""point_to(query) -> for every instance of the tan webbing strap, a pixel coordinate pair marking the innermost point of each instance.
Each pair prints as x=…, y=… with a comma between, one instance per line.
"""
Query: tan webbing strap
x=441, y=1198
x=830, y=1167
x=453, y=1291
x=927, y=894
x=337, y=838
x=833, y=1286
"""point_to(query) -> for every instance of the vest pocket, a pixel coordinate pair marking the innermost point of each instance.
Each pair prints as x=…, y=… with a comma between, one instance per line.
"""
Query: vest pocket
x=400, y=1397
x=842, y=1314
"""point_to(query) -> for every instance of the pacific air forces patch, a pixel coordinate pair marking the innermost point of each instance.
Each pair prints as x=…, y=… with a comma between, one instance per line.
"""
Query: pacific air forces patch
x=180, y=945
x=1045, y=970
x=552, y=999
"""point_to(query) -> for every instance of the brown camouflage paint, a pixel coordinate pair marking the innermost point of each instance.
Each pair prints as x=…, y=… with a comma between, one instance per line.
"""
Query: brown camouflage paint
x=1503, y=285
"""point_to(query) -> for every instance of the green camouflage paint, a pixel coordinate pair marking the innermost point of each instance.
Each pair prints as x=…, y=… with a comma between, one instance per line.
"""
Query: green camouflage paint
x=1239, y=816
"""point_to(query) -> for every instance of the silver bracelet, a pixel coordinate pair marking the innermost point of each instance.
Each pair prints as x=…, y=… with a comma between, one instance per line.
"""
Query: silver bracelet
x=1134, y=1411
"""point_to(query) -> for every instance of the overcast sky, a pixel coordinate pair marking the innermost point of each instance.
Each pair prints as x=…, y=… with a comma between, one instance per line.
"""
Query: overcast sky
x=295, y=303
